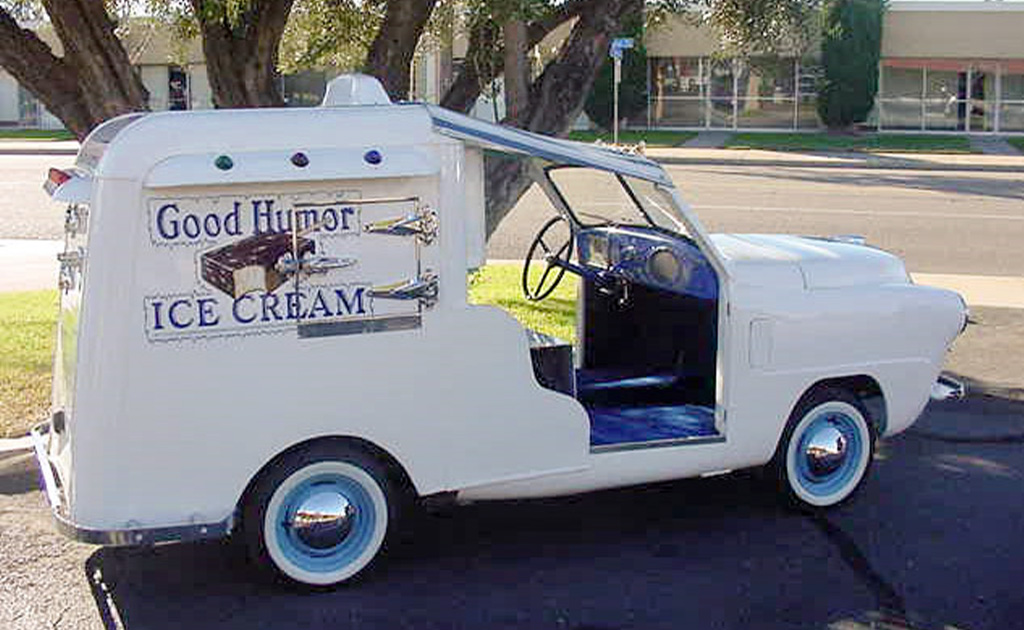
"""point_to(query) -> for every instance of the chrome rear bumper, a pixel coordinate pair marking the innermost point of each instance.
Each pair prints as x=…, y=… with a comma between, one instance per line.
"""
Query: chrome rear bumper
x=946, y=388
x=113, y=537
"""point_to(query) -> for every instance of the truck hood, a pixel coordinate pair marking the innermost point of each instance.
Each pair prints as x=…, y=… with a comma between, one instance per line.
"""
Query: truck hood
x=811, y=262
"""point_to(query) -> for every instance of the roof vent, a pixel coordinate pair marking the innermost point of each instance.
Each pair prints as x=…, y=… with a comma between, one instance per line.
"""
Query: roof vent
x=355, y=89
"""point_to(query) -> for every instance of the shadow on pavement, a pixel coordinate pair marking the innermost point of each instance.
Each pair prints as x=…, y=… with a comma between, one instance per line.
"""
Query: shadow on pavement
x=713, y=553
x=927, y=543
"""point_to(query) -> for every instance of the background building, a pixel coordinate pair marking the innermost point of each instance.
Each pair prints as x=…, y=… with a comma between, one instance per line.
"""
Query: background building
x=173, y=72
x=946, y=66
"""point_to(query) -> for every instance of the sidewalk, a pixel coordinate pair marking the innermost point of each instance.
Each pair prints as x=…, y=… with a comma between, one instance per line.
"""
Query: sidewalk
x=838, y=159
x=38, y=147
x=27, y=265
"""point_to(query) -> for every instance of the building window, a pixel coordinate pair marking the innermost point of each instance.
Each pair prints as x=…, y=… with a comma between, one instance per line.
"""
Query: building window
x=177, y=88
x=757, y=92
x=1011, y=108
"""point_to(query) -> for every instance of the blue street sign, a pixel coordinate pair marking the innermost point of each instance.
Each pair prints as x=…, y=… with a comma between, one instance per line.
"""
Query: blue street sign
x=618, y=45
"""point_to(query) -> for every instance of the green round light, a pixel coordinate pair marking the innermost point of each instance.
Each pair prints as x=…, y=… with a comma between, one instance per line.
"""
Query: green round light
x=223, y=162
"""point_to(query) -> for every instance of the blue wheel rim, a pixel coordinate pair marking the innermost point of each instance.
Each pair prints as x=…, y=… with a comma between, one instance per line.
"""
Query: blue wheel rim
x=334, y=558
x=819, y=485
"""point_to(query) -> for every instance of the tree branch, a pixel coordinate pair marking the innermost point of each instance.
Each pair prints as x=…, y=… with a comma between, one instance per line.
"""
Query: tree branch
x=556, y=98
x=467, y=86
x=391, y=52
x=33, y=65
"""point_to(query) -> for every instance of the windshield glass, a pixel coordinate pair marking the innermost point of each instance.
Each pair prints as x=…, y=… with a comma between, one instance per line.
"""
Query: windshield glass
x=598, y=198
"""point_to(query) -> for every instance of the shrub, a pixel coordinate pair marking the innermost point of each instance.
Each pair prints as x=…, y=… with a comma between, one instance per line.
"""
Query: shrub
x=850, y=50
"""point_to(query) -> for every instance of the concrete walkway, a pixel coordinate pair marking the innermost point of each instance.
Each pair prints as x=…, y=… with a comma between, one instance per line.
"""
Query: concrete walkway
x=27, y=265
x=992, y=145
x=839, y=159
x=38, y=147
x=711, y=139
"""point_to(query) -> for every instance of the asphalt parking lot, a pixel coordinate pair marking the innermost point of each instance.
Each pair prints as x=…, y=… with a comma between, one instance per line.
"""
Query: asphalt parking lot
x=932, y=541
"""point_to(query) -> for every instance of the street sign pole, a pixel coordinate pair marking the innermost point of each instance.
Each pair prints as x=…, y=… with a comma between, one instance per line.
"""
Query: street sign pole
x=615, y=51
x=615, y=100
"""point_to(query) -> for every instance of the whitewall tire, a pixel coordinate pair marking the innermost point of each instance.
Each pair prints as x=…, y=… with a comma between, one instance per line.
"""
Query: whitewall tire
x=826, y=450
x=320, y=516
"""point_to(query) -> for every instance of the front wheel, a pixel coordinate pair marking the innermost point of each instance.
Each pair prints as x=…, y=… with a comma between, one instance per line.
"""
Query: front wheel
x=320, y=516
x=825, y=451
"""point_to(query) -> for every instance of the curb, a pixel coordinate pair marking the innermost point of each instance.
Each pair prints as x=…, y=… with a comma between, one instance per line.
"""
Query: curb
x=883, y=164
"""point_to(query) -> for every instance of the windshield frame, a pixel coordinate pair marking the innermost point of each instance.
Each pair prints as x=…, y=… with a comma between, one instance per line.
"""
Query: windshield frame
x=678, y=225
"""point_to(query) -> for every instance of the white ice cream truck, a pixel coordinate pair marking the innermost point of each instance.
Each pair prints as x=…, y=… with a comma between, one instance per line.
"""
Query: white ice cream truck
x=264, y=332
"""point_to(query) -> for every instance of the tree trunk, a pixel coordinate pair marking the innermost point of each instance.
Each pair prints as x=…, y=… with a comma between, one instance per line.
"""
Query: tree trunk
x=92, y=82
x=241, y=58
x=463, y=93
x=556, y=99
x=391, y=52
x=517, y=68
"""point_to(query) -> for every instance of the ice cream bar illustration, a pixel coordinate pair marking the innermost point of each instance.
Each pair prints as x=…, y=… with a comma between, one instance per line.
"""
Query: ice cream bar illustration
x=250, y=264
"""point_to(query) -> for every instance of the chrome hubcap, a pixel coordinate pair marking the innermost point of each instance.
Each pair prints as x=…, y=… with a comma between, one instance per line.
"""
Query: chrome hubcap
x=323, y=520
x=825, y=450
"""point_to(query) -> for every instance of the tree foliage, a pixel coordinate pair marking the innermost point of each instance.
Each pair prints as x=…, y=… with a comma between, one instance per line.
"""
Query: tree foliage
x=850, y=52
x=762, y=27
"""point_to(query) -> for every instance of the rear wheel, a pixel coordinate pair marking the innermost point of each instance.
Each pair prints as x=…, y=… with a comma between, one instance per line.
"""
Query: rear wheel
x=826, y=449
x=320, y=515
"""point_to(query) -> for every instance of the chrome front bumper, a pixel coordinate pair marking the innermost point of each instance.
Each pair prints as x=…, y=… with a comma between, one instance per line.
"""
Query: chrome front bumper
x=946, y=388
x=112, y=537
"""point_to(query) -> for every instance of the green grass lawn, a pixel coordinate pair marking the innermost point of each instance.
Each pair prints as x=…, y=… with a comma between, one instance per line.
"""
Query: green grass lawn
x=27, y=323
x=651, y=138
x=867, y=142
x=500, y=285
x=1017, y=142
x=35, y=134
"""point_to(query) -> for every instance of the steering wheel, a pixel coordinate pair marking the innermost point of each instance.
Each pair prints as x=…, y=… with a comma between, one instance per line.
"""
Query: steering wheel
x=552, y=257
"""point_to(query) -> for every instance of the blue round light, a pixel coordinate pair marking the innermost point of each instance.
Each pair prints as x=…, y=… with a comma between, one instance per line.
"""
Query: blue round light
x=373, y=157
x=224, y=162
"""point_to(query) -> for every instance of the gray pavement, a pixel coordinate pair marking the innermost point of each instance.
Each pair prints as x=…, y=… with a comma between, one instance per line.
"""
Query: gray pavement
x=932, y=541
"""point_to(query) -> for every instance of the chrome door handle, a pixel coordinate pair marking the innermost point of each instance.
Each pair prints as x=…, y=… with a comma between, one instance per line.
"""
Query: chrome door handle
x=72, y=258
x=423, y=288
x=422, y=224
x=287, y=264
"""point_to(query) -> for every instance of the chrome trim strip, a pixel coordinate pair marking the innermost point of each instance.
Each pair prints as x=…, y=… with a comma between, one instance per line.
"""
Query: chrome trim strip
x=143, y=535
x=49, y=481
x=946, y=388
x=636, y=446
x=114, y=537
x=360, y=326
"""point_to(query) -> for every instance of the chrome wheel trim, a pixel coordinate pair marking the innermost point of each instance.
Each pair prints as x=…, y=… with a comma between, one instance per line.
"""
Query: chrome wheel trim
x=824, y=448
x=365, y=524
x=323, y=519
x=829, y=475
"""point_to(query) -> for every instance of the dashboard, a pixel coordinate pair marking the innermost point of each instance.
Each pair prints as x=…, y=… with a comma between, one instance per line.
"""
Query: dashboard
x=649, y=257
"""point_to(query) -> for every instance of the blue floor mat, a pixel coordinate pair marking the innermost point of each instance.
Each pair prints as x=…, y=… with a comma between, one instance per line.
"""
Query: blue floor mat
x=620, y=425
